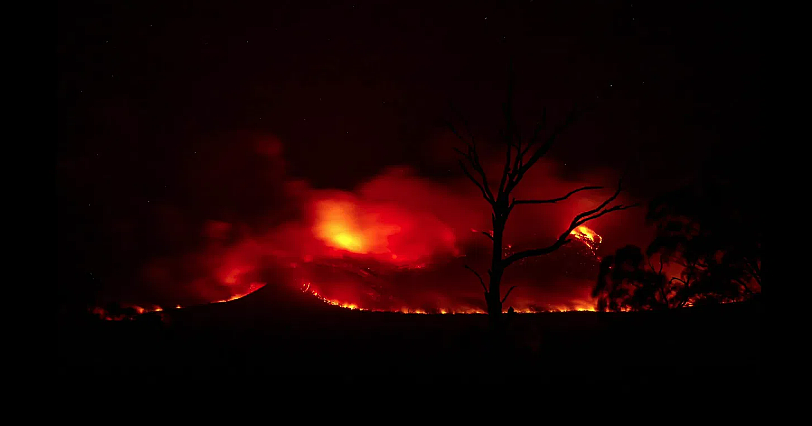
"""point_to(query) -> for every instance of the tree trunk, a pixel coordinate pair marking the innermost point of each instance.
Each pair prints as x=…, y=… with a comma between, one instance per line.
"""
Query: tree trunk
x=493, y=300
x=494, y=285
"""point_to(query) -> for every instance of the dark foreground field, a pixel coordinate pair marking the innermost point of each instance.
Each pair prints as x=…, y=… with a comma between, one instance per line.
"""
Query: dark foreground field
x=268, y=334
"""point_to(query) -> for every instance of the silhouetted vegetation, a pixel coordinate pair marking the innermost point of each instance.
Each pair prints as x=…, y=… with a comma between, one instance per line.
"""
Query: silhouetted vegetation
x=707, y=250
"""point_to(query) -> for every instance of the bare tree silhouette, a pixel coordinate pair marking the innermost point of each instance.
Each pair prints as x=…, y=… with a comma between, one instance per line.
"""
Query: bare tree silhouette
x=520, y=156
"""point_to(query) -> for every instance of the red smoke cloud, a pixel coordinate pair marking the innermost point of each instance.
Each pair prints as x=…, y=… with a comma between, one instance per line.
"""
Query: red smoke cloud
x=398, y=241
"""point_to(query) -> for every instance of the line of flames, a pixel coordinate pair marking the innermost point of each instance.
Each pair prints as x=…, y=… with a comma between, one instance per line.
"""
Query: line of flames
x=306, y=288
x=252, y=288
x=102, y=313
x=586, y=235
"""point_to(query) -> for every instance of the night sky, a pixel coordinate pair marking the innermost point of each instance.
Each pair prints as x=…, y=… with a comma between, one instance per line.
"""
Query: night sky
x=174, y=114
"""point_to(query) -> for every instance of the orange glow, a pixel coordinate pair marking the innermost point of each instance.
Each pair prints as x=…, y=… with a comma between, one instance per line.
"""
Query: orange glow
x=383, y=231
x=577, y=306
x=342, y=224
x=306, y=289
x=338, y=224
x=252, y=288
x=395, y=243
x=588, y=237
x=122, y=316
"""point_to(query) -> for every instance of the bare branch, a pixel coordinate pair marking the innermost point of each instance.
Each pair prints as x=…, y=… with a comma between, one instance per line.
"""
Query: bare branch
x=478, y=276
x=478, y=167
x=535, y=252
x=508, y=135
x=507, y=294
x=476, y=182
x=579, y=220
x=539, y=127
x=606, y=211
x=473, y=159
x=663, y=295
x=555, y=200
x=464, y=123
x=488, y=234
x=468, y=130
x=506, y=169
x=652, y=266
x=588, y=213
x=516, y=175
x=519, y=158
x=458, y=135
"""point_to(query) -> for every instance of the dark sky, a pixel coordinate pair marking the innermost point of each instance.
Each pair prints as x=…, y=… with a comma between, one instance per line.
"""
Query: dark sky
x=160, y=103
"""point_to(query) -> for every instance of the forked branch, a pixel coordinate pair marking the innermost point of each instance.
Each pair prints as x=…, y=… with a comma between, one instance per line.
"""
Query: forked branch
x=476, y=182
x=579, y=220
x=517, y=173
x=473, y=159
x=555, y=200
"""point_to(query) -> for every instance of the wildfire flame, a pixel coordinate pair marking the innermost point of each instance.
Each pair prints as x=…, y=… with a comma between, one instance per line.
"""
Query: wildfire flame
x=108, y=316
x=588, y=237
x=381, y=231
x=340, y=230
x=579, y=306
x=123, y=315
x=252, y=288
x=341, y=224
